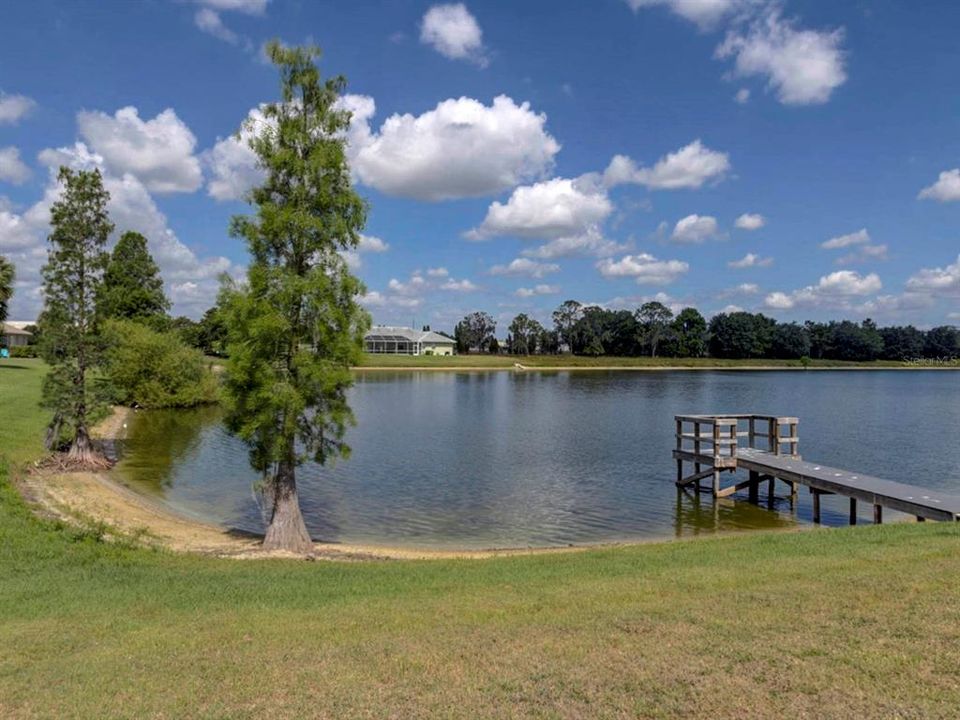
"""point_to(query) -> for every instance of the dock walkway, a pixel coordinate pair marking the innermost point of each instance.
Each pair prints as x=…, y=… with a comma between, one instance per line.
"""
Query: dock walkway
x=714, y=446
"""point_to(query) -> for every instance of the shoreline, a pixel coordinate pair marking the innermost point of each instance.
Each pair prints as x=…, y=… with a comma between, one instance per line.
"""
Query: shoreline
x=642, y=368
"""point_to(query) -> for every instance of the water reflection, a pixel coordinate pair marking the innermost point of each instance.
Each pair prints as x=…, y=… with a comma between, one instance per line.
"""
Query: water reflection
x=473, y=459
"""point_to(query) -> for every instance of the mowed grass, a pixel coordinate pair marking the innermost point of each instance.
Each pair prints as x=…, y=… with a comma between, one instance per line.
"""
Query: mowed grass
x=854, y=622
x=21, y=420
x=576, y=361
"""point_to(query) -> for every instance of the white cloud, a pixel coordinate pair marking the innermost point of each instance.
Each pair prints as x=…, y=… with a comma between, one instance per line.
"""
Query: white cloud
x=454, y=33
x=207, y=18
x=945, y=189
x=525, y=267
x=375, y=299
x=705, y=13
x=750, y=260
x=743, y=96
x=438, y=272
x=537, y=290
x=12, y=168
x=835, y=291
x=645, y=268
x=13, y=108
x=859, y=237
x=592, y=242
x=233, y=163
x=464, y=285
x=367, y=244
x=462, y=148
x=804, y=67
x=750, y=221
x=864, y=253
x=694, y=229
x=550, y=209
x=15, y=232
x=159, y=152
x=687, y=168
x=943, y=281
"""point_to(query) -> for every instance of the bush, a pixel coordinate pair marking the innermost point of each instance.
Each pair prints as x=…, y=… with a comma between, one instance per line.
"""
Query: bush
x=155, y=369
x=23, y=351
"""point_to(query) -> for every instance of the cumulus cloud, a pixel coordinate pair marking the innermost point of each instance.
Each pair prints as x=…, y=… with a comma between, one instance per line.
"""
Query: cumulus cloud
x=159, y=152
x=367, y=244
x=939, y=281
x=541, y=289
x=232, y=162
x=555, y=208
x=454, y=33
x=704, y=13
x=694, y=229
x=464, y=285
x=13, y=108
x=12, y=168
x=750, y=260
x=438, y=272
x=743, y=96
x=750, y=221
x=191, y=281
x=945, y=189
x=644, y=268
x=412, y=293
x=832, y=291
x=859, y=237
x=687, y=168
x=525, y=267
x=592, y=242
x=802, y=66
x=461, y=148
x=864, y=253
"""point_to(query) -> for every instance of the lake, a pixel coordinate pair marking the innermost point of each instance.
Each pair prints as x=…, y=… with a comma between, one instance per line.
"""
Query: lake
x=515, y=459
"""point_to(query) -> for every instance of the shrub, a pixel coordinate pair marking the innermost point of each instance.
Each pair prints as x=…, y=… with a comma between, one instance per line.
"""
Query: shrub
x=155, y=369
x=23, y=351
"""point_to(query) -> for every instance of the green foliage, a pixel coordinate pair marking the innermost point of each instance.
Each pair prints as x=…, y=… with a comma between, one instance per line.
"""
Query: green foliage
x=7, y=275
x=690, y=333
x=132, y=288
x=155, y=369
x=525, y=336
x=654, y=320
x=475, y=333
x=72, y=278
x=942, y=342
x=294, y=331
x=741, y=335
x=790, y=341
x=23, y=351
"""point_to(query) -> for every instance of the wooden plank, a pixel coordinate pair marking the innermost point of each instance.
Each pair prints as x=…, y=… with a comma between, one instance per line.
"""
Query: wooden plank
x=705, y=459
x=696, y=476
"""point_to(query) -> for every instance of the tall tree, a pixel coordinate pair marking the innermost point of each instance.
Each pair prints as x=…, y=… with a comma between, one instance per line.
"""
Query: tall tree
x=690, y=329
x=72, y=278
x=475, y=332
x=6, y=285
x=296, y=328
x=525, y=334
x=565, y=320
x=654, y=318
x=132, y=288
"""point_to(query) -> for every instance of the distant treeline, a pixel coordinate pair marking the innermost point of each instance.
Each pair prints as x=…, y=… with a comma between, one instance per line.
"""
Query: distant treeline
x=654, y=330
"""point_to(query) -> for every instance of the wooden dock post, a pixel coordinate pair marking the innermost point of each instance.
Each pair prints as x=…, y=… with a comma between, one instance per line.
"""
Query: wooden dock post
x=853, y=511
x=754, y=486
x=816, y=505
x=878, y=514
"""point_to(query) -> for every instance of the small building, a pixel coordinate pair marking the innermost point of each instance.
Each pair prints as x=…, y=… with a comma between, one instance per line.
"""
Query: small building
x=384, y=339
x=13, y=336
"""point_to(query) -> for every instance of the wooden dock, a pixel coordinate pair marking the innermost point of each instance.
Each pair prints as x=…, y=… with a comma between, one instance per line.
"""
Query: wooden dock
x=767, y=447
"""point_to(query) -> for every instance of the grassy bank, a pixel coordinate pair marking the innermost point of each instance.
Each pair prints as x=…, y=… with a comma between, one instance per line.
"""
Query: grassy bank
x=855, y=622
x=575, y=361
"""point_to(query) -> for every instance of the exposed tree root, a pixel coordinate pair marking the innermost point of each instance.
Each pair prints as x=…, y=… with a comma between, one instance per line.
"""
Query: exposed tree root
x=61, y=462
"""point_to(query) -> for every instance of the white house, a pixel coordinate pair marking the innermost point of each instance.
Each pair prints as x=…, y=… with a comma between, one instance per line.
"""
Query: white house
x=384, y=339
x=13, y=336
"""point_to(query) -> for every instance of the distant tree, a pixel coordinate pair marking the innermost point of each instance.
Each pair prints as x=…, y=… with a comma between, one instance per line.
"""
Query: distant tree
x=7, y=275
x=524, y=335
x=494, y=346
x=475, y=332
x=72, y=277
x=621, y=335
x=654, y=319
x=212, y=333
x=741, y=335
x=549, y=342
x=820, y=335
x=690, y=331
x=790, y=341
x=132, y=288
x=942, y=342
x=591, y=333
x=902, y=342
x=565, y=320
x=188, y=330
x=296, y=328
x=850, y=341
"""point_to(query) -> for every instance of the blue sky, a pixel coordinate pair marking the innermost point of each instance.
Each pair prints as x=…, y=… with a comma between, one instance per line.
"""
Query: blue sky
x=797, y=158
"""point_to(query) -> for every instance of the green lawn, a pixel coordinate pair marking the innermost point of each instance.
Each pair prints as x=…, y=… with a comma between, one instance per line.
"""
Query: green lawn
x=21, y=419
x=854, y=622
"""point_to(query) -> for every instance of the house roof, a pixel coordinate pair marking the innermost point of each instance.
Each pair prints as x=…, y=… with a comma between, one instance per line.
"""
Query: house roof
x=10, y=329
x=393, y=333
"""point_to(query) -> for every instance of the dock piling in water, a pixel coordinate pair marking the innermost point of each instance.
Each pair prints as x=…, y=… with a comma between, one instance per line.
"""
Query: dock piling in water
x=771, y=453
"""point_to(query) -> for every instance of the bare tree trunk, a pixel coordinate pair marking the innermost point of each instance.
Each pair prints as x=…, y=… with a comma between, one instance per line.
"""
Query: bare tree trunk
x=286, y=531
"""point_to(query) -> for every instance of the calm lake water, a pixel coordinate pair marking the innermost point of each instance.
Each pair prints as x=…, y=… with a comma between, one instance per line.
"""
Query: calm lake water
x=503, y=459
